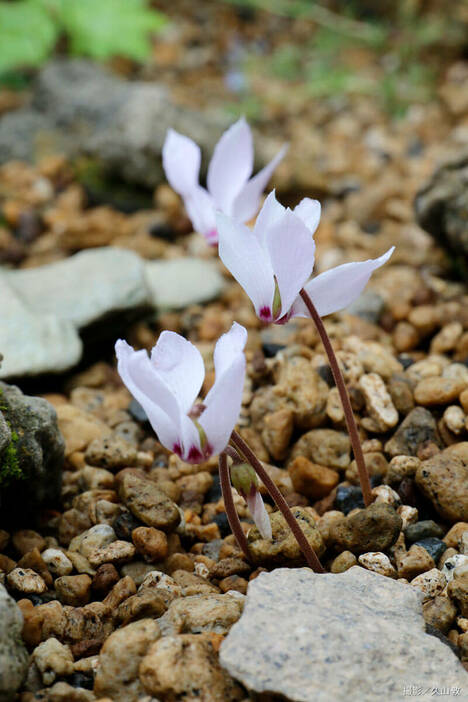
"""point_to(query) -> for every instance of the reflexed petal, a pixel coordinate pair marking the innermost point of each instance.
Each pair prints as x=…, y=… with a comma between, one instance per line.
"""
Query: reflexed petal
x=249, y=263
x=291, y=248
x=181, y=162
x=223, y=401
x=228, y=347
x=231, y=165
x=339, y=287
x=247, y=201
x=201, y=211
x=179, y=365
x=259, y=513
x=135, y=369
x=309, y=211
x=272, y=211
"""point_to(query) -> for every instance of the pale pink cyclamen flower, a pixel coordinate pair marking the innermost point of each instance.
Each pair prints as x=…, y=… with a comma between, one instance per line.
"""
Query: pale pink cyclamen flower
x=274, y=261
x=230, y=189
x=168, y=384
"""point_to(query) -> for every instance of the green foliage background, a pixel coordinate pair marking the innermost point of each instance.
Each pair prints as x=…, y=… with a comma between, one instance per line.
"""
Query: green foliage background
x=100, y=29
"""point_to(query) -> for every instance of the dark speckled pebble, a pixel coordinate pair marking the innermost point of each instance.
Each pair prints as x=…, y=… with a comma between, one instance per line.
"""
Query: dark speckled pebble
x=348, y=497
x=137, y=412
x=423, y=530
x=434, y=547
x=214, y=493
x=124, y=524
x=405, y=361
x=222, y=521
x=81, y=680
x=270, y=350
x=326, y=374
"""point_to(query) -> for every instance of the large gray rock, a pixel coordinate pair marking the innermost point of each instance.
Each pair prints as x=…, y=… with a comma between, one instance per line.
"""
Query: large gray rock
x=79, y=108
x=182, y=281
x=31, y=461
x=351, y=637
x=14, y=657
x=442, y=207
x=32, y=342
x=90, y=286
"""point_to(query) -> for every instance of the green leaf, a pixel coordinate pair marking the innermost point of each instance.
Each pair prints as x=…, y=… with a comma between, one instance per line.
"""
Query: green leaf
x=27, y=35
x=105, y=28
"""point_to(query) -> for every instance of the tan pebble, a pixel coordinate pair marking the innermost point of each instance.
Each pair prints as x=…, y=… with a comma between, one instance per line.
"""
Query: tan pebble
x=447, y=338
x=26, y=580
x=376, y=465
x=79, y=428
x=277, y=432
x=405, y=337
x=27, y=539
x=439, y=613
x=458, y=592
x=166, y=586
x=448, y=553
x=34, y=561
x=427, y=368
x=456, y=371
x=343, y=562
x=455, y=419
x=378, y=402
x=334, y=407
x=111, y=452
x=462, y=623
x=464, y=400
x=409, y=515
x=424, y=318
x=430, y=583
x=310, y=479
x=378, y=562
x=151, y=543
x=105, y=578
x=416, y=561
x=96, y=537
x=53, y=659
x=401, y=467
x=192, y=584
x=326, y=447
x=80, y=563
x=437, y=391
x=92, y=478
x=145, y=603
x=136, y=570
x=384, y=493
x=374, y=357
x=57, y=562
x=202, y=570
x=121, y=591
x=372, y=446
x=73, y=590
x=116, y=552
x=234, y=582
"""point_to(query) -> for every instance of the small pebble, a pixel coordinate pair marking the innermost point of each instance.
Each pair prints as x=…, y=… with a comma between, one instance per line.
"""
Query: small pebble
x=430, y=583
x=452, y=563
x=116, y=552
x=409, y=515
x=416, y=561
x=378, y=562
x=435, y=547
x=26, y=580
x=57, y=562
x=348, y=497
x=422, y=530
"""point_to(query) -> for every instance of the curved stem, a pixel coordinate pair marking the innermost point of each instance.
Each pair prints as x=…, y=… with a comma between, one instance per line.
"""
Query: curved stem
x=345, y=401
x=309, y=553
x=229, y=506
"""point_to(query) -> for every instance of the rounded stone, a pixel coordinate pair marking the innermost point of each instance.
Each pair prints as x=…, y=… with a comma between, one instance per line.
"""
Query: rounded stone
x=443, y=480
x=372, y=529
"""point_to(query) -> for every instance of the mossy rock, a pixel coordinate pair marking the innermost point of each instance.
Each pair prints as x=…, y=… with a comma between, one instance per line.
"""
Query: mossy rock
x=31, y=453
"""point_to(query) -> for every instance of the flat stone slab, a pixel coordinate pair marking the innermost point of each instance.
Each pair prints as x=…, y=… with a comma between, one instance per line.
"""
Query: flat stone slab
x=355, y=637
x=179, y=282
x=32, y=342
x=84, y=288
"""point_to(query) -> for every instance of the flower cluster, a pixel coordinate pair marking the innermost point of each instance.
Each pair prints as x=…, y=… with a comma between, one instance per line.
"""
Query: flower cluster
x=273, y=262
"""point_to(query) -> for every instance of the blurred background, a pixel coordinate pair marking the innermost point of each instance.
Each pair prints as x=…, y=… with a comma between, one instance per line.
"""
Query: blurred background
x=371, y=97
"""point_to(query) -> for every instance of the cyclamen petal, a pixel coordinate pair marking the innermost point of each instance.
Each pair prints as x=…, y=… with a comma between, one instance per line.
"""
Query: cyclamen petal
x=259, y=513
x=167, y=387
x=273, y=261
x=229, y=188
x=337, y=288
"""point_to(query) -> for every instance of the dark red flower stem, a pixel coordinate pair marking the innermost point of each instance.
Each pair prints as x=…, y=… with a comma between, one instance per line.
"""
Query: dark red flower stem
x=229, y=506
x=309, y=553
x=345, y=401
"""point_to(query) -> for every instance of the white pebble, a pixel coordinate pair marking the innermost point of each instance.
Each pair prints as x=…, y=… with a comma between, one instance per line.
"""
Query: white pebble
x=378, y=562
x=431, y=583
x=409, y=515
x=57, y=562
x=453, y=562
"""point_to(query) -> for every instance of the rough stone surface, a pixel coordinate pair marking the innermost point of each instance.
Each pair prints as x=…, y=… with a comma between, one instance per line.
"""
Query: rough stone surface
x=148, y=503
x=202, y=613
x=352, y=636
x=444, y=479
x=79, y=108
x=117, y=673
x=416, y=429
x=39, y=450
x=186, y=667
x=372, y=529
x=442, y=204
x=181, y=282
x=13, y=654
x=90, y=286
x=33, y=342
x=283, y=548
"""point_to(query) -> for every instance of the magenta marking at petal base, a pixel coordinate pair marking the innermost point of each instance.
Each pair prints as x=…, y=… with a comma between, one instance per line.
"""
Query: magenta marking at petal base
x=265, y=314
x=177, y=450
x=212, y=237
x=194, y=454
